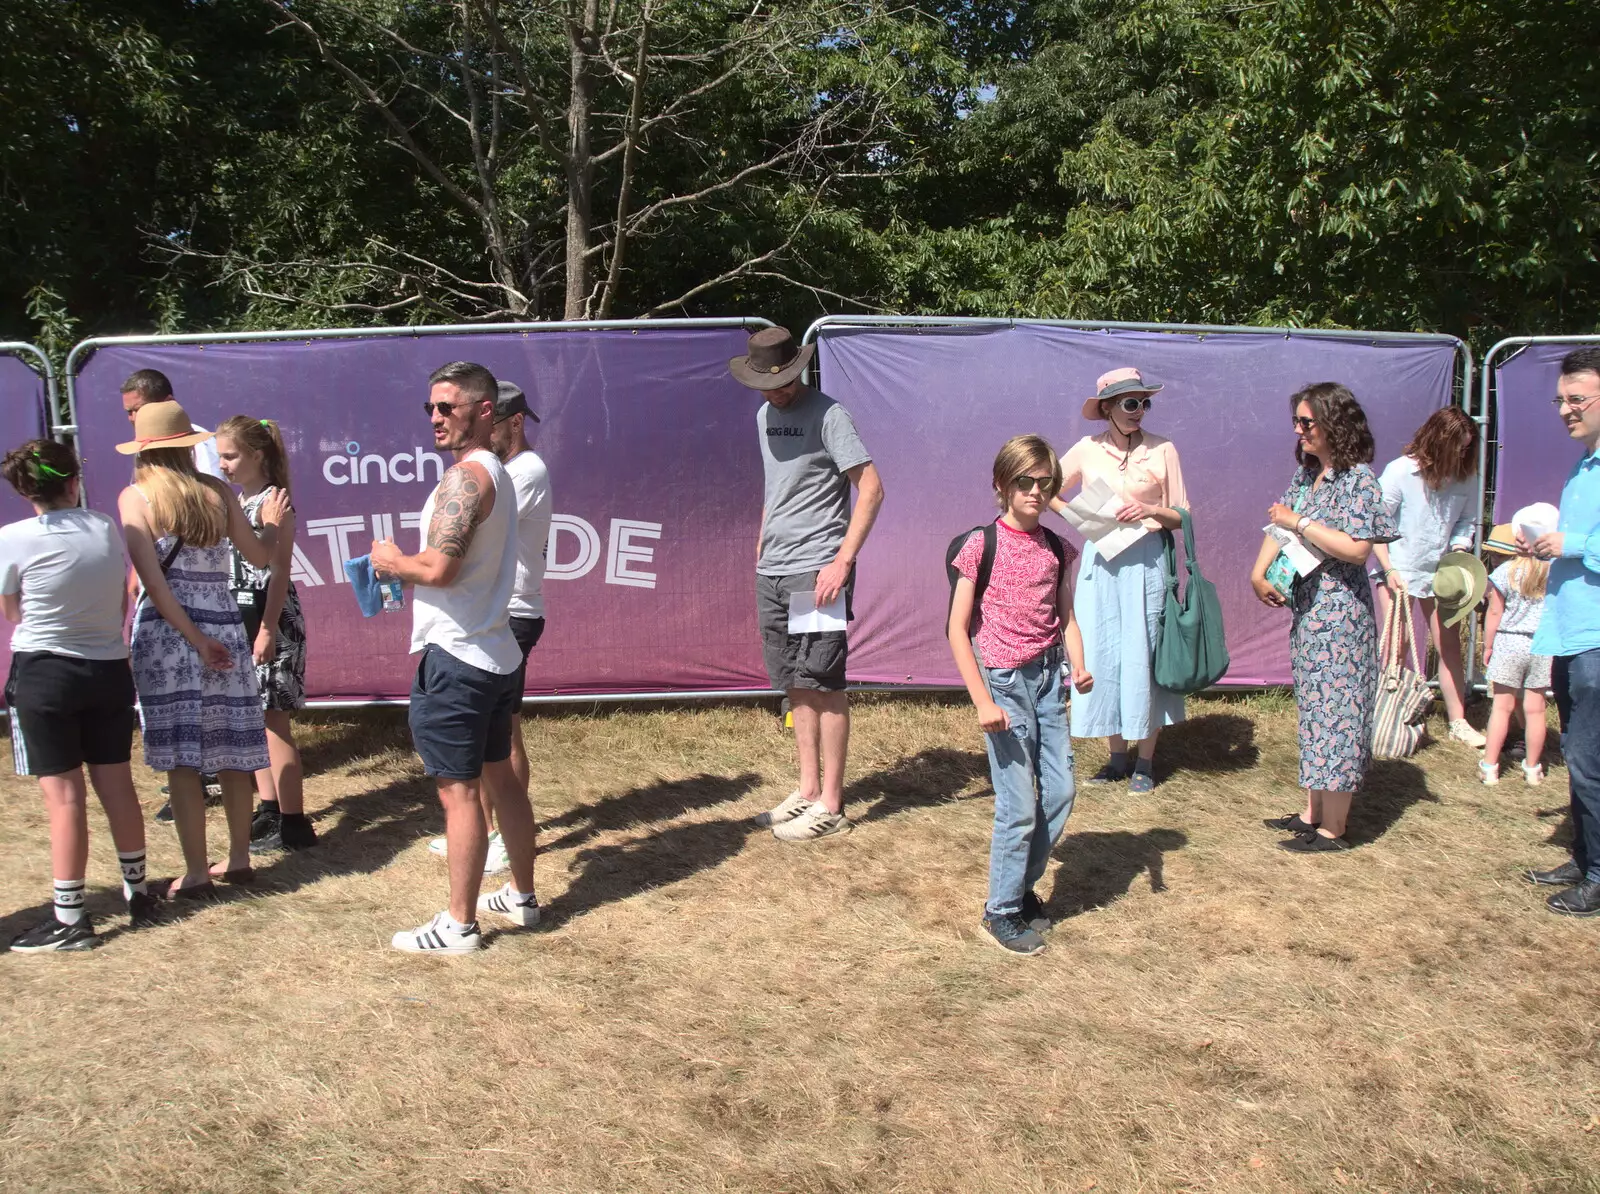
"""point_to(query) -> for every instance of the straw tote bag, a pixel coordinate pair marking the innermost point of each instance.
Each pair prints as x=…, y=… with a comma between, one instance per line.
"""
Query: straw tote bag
x=1404, y=698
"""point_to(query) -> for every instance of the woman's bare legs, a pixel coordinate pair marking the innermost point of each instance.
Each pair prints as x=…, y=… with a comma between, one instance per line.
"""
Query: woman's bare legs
x=1334, y=810
x=188, y=801
x=237, y=797
x=283, y=779
x=1452, y=674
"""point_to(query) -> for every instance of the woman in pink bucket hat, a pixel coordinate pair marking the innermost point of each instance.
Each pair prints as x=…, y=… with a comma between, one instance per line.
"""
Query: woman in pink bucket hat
x=1119, y=600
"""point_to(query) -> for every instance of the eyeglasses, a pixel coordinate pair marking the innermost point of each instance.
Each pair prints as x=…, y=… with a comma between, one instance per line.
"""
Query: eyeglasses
x=444, y=408
x=1572, y=400
x=1132, y=405
x=1026, y=483
x=1303, y=425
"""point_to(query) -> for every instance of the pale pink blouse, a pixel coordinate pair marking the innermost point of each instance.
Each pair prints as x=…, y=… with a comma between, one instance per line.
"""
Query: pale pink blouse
x=1152, y=475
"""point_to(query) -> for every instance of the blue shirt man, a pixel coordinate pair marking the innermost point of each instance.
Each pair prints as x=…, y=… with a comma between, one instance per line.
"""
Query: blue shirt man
x=1570, y=631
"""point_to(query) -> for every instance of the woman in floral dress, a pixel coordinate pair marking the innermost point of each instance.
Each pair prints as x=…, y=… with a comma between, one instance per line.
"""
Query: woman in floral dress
x=198, y=702
x=1335, y=505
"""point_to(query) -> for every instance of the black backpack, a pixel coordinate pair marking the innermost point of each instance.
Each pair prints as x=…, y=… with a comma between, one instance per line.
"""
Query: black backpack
x=986, y=562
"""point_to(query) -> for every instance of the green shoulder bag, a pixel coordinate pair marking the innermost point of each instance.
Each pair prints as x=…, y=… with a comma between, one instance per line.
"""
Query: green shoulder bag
x=1191, y=650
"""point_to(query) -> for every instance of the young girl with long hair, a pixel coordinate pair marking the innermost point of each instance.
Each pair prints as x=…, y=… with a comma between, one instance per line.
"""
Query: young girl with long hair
x=1516, y=675
x=253, y=457
x=198, y=702
x=70, y=693
x=1431, y=492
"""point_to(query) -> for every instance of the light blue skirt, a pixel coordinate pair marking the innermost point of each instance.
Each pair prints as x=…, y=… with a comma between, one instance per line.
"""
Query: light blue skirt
x=1119, y=605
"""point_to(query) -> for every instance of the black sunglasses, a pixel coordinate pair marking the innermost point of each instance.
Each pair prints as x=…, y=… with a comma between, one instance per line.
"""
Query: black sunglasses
x=1026, y=483
x=444, y=408
x=1303, y=424
x=1130, y=405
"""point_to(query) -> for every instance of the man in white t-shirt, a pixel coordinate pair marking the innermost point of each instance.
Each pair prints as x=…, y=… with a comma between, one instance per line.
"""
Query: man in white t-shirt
x=462, y=698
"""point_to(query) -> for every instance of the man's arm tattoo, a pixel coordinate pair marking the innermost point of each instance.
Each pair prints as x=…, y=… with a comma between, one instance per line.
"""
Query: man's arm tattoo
x=457, y=510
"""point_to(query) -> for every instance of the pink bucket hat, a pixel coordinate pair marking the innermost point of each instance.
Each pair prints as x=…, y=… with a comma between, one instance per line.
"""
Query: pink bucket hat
x=1119, y=383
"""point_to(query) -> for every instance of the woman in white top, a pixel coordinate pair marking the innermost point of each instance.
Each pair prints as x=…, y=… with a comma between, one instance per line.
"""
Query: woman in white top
x=1432, y=493
x=70, y=693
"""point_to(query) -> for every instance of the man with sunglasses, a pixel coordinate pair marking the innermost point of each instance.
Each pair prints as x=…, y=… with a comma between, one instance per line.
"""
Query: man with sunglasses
x=464, y=693
x=1570, y=631
x=809, y=540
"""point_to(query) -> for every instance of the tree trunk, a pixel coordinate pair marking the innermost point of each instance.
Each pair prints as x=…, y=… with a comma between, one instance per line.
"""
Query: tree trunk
x=580, y=160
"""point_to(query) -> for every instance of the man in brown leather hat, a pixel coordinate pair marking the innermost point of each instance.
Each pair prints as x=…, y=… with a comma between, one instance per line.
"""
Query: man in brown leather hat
x=810, y=537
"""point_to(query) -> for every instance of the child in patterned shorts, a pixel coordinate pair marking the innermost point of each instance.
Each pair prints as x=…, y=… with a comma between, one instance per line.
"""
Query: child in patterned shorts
x=1515, y=673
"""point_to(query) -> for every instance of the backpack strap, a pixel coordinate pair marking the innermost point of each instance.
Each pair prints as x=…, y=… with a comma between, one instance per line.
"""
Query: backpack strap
x=1059, y=550
x=985, y=564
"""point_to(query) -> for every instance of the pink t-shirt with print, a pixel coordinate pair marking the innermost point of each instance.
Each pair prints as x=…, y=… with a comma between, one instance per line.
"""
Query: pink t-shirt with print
x=1019, y=618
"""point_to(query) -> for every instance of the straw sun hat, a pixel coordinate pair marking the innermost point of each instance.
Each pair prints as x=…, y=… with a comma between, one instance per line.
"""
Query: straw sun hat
x=162, y=425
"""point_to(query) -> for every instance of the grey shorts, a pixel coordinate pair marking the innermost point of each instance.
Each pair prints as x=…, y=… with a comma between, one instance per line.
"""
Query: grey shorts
x=814, y=661
x=1514, y=665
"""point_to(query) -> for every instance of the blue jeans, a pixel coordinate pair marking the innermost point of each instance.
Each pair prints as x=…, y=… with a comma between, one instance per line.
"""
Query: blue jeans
x=1031, y=767
x=1577, y=683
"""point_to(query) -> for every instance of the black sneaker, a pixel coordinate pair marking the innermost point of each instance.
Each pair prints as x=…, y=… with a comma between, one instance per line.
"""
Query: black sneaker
x=144, y=910
x=164, y=813
x=1289, y=823
x=292, y=831
x=52, y=935
x=1012, y=934
x=265, y=820
x=1313, y=842
x=1580, y=900
x=1034, y=915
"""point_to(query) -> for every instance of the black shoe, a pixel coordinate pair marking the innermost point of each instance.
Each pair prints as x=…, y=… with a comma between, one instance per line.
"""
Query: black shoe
x=1314, y=843
x=1109, y=774
x=1013, y=935
x=52, y=935
x=1581, y=900
x=164, y=813
x=293, y=831
x=1289, y=823
x=265, y=820
x=1565, y=875
x=144, y=910
x=1033, y=913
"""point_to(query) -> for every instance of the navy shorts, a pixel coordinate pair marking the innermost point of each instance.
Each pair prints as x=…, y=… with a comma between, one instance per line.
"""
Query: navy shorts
x=813, y=661
x=67, y=711
x=460, y=715
x=527, y=632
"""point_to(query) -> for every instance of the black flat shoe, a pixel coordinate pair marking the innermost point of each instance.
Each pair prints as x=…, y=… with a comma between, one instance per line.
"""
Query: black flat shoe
x=1109, y=774
x=1565, y=875
x=1290, y=823
x=1314, y=843
x=1581, y=900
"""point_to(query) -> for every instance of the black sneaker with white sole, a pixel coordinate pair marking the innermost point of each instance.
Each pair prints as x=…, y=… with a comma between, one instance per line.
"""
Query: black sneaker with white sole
x=52, y=936
x=144, y=910
x=1012, y=934
x=1034, y=915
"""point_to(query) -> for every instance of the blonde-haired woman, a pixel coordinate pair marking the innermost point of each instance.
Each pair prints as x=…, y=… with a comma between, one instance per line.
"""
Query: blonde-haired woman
x=198, y=703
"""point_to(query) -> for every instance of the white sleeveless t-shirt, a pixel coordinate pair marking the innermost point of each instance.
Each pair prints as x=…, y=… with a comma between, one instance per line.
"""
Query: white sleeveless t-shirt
x=470, y=618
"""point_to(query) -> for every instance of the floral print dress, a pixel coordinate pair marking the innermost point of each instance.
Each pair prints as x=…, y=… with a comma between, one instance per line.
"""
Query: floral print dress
x=282, y=679
x=1333, y=642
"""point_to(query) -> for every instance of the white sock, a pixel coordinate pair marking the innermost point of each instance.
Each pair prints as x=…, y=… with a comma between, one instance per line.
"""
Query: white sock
x=446, y=921
x=519, y=897
x=132, y=864
x=69, y=901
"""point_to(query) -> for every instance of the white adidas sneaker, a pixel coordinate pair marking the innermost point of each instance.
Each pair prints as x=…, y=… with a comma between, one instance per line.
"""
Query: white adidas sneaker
x=506, y=903
x=494, y=862
x=792, y=806
x=813, y=822
x=436, y=938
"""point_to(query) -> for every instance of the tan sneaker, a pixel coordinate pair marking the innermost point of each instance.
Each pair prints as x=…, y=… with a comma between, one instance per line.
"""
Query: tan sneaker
x=792, y=806
x=1462, y=732
x=813, y=822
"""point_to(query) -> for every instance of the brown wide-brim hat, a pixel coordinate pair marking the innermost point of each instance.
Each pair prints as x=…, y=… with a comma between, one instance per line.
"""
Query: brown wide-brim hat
x=773, y=360
x=162, y=425
x=1119, y=383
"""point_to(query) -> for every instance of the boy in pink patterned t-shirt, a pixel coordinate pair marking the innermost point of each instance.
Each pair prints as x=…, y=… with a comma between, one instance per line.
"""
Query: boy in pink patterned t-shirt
x=1022, y=622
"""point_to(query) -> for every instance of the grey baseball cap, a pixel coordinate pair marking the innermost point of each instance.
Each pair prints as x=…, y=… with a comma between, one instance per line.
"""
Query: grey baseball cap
x=511, y=401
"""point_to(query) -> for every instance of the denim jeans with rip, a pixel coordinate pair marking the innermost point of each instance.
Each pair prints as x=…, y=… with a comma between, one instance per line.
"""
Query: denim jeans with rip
x=1030, y=765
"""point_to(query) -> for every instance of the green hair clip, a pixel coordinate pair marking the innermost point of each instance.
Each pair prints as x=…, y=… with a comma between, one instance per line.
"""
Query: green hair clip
x=48, y=471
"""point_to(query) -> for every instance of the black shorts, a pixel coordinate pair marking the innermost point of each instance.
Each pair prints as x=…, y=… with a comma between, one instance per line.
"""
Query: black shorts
x=460, y=715
x=527, y=632
x=814, y=661
x=67, y=711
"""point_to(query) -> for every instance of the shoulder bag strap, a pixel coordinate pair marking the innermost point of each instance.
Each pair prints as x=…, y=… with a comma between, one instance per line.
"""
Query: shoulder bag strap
x=172, y=554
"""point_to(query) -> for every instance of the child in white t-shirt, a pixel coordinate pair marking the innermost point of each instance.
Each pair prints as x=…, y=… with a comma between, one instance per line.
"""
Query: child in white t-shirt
x=1023, y=621
x=1516, y=675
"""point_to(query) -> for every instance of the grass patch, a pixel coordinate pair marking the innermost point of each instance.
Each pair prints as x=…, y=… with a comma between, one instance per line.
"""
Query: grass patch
x=709, y=1009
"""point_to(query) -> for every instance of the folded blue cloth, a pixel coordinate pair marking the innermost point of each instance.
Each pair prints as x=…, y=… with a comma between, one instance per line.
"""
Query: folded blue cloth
x=365, y=583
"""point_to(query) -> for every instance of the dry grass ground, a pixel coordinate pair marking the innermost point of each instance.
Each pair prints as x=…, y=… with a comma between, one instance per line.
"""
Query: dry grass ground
x=709, y=1009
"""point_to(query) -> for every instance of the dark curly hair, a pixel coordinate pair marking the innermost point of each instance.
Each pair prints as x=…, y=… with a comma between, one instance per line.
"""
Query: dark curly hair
x=40, y=470
x=1342, y=420
x=1445, y=447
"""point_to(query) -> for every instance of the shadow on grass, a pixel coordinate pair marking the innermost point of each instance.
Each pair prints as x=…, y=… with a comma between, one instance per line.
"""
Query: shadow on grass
x=928, y=777
x=333, y=740
x=1393, y=785
x=1212, y=742
x=1096, y=868
x=660, y=801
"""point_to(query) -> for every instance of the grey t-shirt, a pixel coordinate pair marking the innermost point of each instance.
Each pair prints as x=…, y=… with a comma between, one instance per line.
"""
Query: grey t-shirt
x=1522, y=613
x=806, y=450
x=68, y=566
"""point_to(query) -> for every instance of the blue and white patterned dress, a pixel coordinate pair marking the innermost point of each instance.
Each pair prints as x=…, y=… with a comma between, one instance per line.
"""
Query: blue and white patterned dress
x=1333, y=643
x=193, y=716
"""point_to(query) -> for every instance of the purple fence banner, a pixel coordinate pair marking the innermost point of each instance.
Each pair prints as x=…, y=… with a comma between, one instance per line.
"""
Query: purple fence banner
x=934, y=404
x=1535, y=453
x=654, y=469
x=22, y=417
